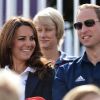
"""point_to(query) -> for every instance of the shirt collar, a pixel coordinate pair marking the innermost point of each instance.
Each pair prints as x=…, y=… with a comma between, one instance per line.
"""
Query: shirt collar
x=28, y=69
x=62, y=58
x=85, y=58
x=62, y=55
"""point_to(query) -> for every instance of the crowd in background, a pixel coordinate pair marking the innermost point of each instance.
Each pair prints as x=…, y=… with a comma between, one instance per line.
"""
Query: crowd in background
x=29, y=51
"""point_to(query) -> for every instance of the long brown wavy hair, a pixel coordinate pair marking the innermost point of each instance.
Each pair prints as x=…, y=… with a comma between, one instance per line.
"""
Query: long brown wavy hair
x=6, y=43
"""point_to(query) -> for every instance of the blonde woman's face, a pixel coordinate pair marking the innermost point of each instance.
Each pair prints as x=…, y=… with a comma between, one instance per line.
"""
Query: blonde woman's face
x=8, y=94
x=46, y=31
x=91, y=97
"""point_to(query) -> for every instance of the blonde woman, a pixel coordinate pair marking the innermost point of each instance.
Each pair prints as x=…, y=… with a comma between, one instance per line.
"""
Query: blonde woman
x=84, y=92
x=10, y=85
x=49, y=24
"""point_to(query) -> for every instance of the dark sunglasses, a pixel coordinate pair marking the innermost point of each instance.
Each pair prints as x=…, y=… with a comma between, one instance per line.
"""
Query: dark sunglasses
x=88, y=23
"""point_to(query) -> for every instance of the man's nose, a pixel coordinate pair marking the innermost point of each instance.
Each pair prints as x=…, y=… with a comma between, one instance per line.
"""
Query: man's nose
x=84, y=28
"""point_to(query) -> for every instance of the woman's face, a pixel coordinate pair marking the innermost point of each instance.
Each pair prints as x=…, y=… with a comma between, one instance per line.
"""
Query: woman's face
x=23, y=44
x=46, y=31
x=91, y=97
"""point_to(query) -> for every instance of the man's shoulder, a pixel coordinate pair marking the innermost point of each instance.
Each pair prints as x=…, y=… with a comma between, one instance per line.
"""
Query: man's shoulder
x=68, y=70
x=74, y=59
x=72, y=62
x=63, y=59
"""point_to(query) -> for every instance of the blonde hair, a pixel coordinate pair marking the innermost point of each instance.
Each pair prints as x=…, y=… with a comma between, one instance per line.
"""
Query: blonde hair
x=53, y=15
x=79, y=92
x=10, y=86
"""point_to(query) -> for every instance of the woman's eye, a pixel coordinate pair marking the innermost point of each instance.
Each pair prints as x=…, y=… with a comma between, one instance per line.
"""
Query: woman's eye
x=39, y=30
x=21, y=38
x=32, y=38
x=49, y=29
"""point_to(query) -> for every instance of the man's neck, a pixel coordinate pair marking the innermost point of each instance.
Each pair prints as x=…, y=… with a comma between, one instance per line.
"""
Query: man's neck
x=93, y=55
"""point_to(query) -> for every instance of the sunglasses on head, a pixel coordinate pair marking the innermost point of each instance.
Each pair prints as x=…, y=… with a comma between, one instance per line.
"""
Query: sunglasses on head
x=88, y=23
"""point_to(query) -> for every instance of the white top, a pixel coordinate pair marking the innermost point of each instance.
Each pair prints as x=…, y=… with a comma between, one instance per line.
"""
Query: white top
x=24, y=76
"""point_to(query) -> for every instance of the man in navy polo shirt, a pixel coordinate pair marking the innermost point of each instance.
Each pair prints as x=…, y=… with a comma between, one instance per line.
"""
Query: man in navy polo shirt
x=86, y=69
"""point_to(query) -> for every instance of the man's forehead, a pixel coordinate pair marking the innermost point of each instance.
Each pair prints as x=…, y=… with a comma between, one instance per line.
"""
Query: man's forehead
x=86, y=14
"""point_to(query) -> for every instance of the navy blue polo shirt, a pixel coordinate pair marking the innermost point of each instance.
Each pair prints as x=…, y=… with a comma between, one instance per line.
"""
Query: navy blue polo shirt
x=63, y=59
x=80, y=72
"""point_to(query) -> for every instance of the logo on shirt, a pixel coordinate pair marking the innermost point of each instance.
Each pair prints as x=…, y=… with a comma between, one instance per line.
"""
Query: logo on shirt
x=79, y=79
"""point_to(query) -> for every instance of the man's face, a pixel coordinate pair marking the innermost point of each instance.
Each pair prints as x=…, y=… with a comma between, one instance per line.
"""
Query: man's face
x=89, y=35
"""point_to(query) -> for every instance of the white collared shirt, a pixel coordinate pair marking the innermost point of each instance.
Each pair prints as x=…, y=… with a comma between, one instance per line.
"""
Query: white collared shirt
x=24, y=76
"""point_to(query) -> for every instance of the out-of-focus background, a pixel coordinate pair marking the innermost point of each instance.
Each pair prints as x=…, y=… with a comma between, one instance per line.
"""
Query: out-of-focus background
x=68, y=8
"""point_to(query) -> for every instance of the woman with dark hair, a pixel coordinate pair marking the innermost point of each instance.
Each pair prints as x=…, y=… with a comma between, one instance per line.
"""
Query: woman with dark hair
x=20, y=52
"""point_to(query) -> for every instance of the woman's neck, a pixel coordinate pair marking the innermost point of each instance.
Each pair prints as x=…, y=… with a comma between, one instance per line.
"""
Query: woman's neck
x=51, y=55
x=19, y=67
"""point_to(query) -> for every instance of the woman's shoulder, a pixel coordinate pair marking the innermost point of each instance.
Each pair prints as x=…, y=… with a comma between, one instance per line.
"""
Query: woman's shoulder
x=45, y=71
